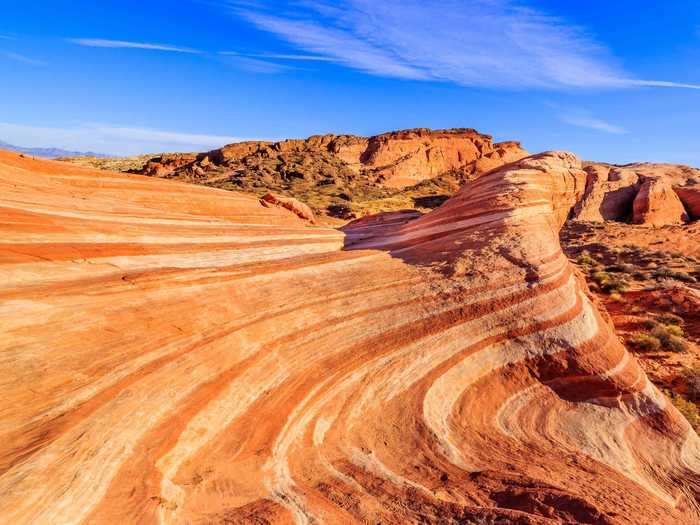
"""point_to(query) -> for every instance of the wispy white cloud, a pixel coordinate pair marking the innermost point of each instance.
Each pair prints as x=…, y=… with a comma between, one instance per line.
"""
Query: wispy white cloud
x=662, y=83
x=484, y=43
x=279, y=56
x=17, y=57
x=255, y=65
x=586, y=121
x=7, y=37
x=123, y=44
x=110, y=139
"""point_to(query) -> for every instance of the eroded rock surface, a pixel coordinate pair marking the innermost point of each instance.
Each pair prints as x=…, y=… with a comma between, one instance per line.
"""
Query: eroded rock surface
x=395, y=160
x=690, y=197
x=612, y=193
x=656, y=204
x=180, y=354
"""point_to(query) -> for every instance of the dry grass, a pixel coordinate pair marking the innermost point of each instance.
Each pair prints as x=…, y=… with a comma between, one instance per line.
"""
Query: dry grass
x=124, y=164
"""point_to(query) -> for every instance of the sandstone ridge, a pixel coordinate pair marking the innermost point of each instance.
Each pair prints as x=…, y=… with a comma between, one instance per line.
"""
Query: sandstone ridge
x=393, y=160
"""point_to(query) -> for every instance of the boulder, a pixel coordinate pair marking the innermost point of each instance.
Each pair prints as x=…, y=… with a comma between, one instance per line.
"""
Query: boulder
x=657, y=204
x=298, y=208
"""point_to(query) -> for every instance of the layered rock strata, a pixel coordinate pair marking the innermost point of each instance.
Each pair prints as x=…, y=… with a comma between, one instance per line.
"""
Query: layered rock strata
x=179, y=354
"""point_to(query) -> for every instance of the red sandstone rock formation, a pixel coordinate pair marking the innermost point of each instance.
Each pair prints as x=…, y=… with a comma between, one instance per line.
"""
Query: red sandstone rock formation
x=395, y=160
x=300, y=209
x=180, y=354
x=611, y=192
x=690, y=197
x=656, y=204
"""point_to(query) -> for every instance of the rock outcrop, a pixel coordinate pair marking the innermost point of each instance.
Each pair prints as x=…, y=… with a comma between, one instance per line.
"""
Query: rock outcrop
x=180, y=354
x=690, y=197
x=638, y=193
x=299, y=209
x=656, y=204
x=393, y=160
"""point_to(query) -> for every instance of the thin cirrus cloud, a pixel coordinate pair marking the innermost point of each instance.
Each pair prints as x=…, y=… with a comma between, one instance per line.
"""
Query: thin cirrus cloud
x=480, y=43
x=17, y=57
x=255, y=65
x=123, y=44
x=111, y=139
x=279, y=56
x=586, y=121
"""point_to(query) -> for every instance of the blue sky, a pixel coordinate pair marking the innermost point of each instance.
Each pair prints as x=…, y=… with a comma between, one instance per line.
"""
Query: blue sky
x=609, y=80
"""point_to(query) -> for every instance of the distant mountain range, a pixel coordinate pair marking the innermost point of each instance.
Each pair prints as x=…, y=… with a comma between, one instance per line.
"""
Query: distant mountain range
x=50, y=153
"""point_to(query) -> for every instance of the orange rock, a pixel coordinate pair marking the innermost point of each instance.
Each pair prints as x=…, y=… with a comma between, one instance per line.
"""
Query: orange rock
x=300, y=209
x=657, y=204
x=173, y=353
x=395, y=159
x=690, y=197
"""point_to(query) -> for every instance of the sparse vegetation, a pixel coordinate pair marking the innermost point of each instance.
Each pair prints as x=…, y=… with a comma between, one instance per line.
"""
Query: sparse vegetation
x=645, y=342
x=666, y=273
x=111, y=163
x=609, y=283
x=586, y=260
x=688, y=409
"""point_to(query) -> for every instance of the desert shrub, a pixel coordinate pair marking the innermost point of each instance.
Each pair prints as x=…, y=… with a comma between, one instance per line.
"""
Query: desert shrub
x=340, y=211
x=600, y=277
x=609, y=283
x=616, y=297
x=620, y=268
x=645, y=342
x=586, y=259
x=669, y=338
x=671, y=319
x=667, y=273
x=615, y=286
x=674, y=329
x=650, y=324
x=688, y=409
x=676, y=344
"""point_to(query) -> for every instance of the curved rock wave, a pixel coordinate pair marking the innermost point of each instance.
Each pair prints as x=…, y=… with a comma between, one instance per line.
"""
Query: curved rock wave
x=178, y=354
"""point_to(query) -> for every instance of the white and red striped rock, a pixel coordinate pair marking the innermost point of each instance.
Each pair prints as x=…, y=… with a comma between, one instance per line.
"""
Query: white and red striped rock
x=178, y=354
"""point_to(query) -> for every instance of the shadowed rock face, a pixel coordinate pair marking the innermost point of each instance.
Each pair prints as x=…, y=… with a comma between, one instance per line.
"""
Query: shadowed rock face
x=178, y=354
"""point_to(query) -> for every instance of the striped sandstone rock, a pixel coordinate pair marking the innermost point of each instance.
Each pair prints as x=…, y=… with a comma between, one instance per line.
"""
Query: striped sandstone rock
x=179, y=354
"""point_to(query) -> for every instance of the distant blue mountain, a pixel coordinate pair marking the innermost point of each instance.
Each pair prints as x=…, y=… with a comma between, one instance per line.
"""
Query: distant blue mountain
x=50, y=153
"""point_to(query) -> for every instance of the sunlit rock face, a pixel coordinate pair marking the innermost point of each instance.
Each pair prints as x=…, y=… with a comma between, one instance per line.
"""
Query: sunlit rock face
x=178, y=354
x=642, y=193
x=396, y=159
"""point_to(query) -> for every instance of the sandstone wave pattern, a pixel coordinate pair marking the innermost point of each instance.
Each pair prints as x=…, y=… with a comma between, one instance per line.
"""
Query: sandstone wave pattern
x=179, y=354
